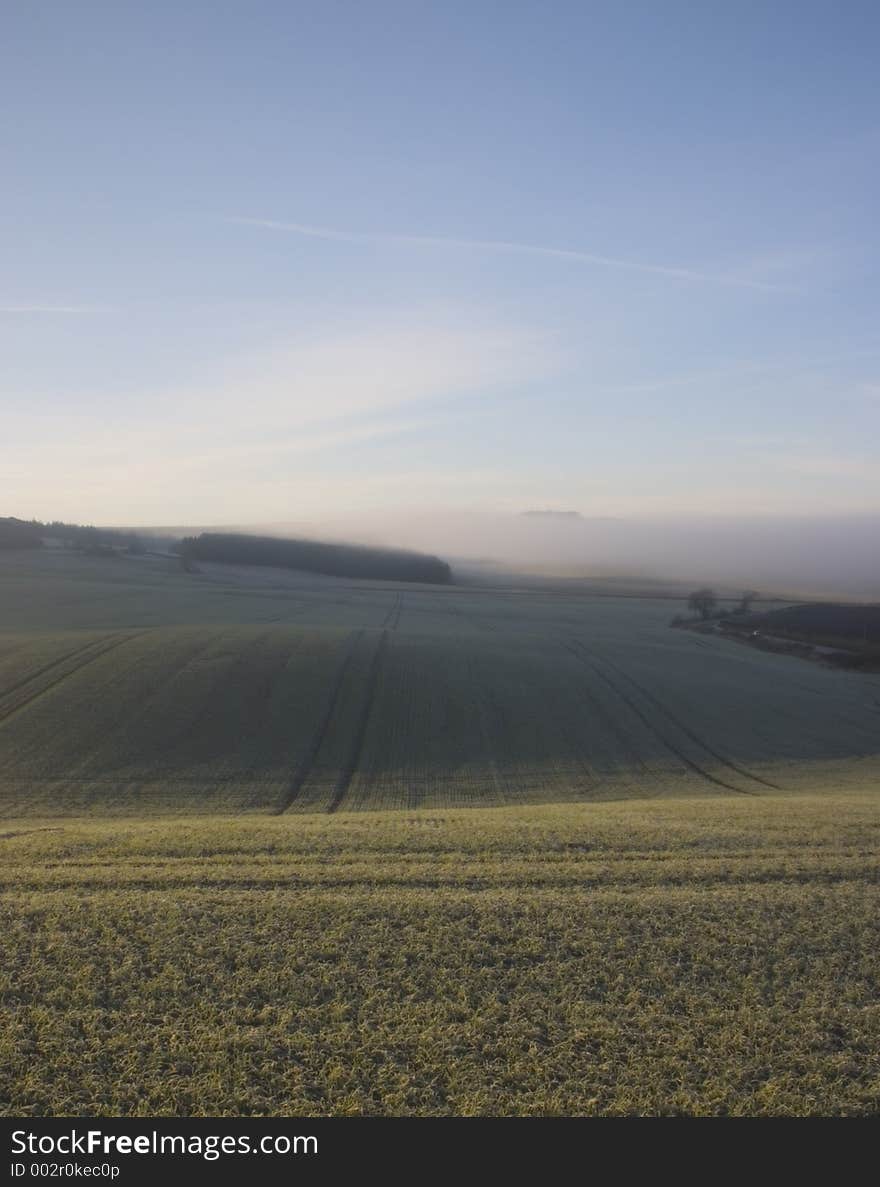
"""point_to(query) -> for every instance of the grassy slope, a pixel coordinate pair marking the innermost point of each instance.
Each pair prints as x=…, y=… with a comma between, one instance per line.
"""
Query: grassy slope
x=127, y=686
x=702, y=956
x=710, y=954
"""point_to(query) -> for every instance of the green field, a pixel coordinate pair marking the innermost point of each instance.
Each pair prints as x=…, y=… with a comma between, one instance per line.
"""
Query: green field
x=628, y=869
x=662, y=956
x=127, y=686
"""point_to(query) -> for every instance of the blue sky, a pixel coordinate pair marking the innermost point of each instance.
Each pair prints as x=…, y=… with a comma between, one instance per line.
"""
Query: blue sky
x=274, y=261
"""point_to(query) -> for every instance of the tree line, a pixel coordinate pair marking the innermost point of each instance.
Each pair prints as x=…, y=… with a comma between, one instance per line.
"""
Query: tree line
x=31, y=533
x=331, y=560
x=705, y=602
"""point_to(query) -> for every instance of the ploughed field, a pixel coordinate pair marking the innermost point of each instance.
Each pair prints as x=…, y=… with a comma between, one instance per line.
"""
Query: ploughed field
x=127, y=686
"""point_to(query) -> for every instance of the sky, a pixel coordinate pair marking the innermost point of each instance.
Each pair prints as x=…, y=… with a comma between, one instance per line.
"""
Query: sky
x=278, y=261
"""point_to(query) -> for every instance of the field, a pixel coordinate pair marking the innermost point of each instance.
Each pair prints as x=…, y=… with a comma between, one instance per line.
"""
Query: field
x=280, y=845
x=127, y=686
x=708, y=956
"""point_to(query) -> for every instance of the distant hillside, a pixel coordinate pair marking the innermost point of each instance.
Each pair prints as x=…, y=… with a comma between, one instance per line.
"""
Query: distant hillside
x=18, y=533
x=31, y=533
x=332, y=560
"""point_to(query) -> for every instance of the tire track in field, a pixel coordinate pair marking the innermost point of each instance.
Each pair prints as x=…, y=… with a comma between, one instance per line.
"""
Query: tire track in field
x=389, y=614
x=614, y=727
x=471, y=883
x=22, y=703
x=308, y=759
x=502, y=788
x=685, y=729
x=392, y=618
x=4, y=693
x=357, y=743
x=587, y=659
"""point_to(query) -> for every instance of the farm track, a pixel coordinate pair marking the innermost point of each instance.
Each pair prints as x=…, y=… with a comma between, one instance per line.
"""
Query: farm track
x=685, y=729
x=589, y=660
x=592, y=782
x=498, y=781
x=55, y=663
x=7, y=711
x=391, y=621
x=613, y=726
x=307, y=761
x=348, y=771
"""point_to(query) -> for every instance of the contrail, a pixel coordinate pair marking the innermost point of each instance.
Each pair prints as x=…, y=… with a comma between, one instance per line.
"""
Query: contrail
x=583, y=257
x=54, y=309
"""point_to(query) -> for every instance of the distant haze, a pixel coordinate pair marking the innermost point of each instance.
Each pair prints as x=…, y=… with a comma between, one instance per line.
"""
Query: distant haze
x=834, y=555
x=275, y=263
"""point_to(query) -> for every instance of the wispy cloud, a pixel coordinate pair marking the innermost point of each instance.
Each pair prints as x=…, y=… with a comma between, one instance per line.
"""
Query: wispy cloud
x=501, y=245
x=55, y=309
x=382, y=364
x=252, y=435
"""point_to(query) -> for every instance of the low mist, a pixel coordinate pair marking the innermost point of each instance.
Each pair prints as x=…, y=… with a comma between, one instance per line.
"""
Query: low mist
x=809, y=556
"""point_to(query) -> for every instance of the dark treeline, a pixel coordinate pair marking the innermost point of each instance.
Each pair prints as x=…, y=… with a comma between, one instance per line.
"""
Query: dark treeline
x=332, y=560
x=818, y=620
x=32, y=533
x=18, y=533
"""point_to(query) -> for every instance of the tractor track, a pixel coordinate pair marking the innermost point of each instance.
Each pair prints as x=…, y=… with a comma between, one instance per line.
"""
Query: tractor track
x=499, y=782
x=685, y=729
x=116, y=641
x=588, y=660
x=392, y=618
x=357, y=744
x=308, y=759
x=611, y=724
x=55, y=663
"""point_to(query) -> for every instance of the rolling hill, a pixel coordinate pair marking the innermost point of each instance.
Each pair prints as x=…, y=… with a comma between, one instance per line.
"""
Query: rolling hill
x=134, y=687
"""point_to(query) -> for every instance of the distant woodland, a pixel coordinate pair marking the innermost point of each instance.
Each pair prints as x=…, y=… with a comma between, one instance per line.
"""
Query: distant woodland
x=18, y=533
x=32, y=533
x=818, y=621
x=332, y=560
x=234, y=548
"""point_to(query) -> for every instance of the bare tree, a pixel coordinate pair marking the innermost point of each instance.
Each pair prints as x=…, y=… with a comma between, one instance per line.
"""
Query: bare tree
x=745, y=602
x=703, y=601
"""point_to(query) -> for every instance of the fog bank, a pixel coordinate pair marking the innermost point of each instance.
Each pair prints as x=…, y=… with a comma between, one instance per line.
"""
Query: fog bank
x=827, y=556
